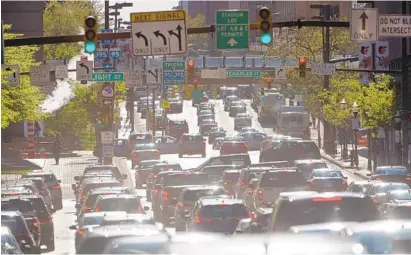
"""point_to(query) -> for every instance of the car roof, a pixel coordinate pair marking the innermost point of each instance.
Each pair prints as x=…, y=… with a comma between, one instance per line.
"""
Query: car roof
x=94, y=214
x=125, y=196
x=383, y=184
x=325, y=170
x=216, y=200
x=94, y=180
x=201, y=187
x=308, y=196
x=309, y=161
x=39, y=173
x=361, y=182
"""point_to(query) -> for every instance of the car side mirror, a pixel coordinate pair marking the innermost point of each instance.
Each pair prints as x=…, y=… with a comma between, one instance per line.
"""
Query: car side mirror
x=345, y=177
x=146, y=208
x=74, y=186
x=368, y=174
x=73, y=227
x=77, y=178
x=124, y=176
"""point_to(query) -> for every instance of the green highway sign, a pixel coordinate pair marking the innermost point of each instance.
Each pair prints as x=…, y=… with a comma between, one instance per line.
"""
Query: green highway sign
x=233, y=29
x=243, y=74
x=174, y=73
x=108, y=76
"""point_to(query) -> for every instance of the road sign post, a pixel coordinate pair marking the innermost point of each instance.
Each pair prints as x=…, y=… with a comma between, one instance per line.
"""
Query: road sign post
x=159, y=33
x=174, y=73
x=233, y=29
x=364, y=25
x=14, y=77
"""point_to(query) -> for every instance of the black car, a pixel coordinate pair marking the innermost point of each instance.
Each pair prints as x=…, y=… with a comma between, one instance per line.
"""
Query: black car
x=214, y=133
x=291, y=150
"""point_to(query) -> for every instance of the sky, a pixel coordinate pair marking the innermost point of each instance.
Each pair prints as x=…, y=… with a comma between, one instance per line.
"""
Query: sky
x=144, y=6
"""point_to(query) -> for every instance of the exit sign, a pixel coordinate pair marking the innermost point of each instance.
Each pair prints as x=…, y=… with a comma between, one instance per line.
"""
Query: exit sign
x=116, y=76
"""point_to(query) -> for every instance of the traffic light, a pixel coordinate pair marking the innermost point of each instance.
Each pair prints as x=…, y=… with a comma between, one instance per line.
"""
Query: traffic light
x=190, y=71
x=302, y=64
x=266, y=27
x=90, y=34
x=195, y=85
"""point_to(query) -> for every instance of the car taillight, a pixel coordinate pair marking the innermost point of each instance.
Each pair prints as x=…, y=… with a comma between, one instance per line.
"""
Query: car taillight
x=57, y=186
x=243, y=183
x=85, y=209
x=45, y=220
x=155, y=192
x=250, y=191
x=80, y=232
x=165, y=195
x=250, y=215
x=97, y=209
x=135, y=154
x=181, y=205
x=197, y=219
x=83, y=196
x=374, y=200
x=345, y=183
x=181, y=143
x=157, y=153
x=245, y=147
x=408, y=178
x=36, y=224
x=327, y=199
x=377, y=179
x=260, y=195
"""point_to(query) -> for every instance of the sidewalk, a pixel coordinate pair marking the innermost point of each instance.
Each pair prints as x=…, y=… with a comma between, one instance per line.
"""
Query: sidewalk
x=361, y=171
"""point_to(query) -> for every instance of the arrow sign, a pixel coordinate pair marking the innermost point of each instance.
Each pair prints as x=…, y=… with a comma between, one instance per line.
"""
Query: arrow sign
x=232, y=42
x=155, y=75
x=157, y=33
x=140, y=35
x=8, y=69
x=363, y=17
x=84, y=66
x=178, y=35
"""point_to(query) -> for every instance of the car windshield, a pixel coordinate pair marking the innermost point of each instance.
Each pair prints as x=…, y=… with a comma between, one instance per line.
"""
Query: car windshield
x=129, y=205
x=329, y=174
x=18, y=205
x=390, y=187
x=185, y=179
x=149, y=146
x=142, y=137
x=194, y=195
x=224, y=211
x=391, y=171
x=192, y=138
x=48, y=178
x=179, y=123
x=234, y=139
x=94, y=220
x=162, y=168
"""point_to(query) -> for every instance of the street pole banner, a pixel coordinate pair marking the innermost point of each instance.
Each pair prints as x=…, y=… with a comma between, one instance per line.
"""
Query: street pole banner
x=365, y=61
x=382, y=53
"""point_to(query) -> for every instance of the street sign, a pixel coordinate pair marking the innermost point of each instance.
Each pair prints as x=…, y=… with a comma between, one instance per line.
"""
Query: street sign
x=159, y=33
x=323, y=68
x=233, y=29
x=395, y=26
x=243, y=74
x=165, y=104
x=14, y=77
x=365, y=61
x=174, y=73
x=102, y=58
x=154, y=76
x=280, y=74
x=108, y=151
x=220, y=73
x=61, y=72
x=107, y=137
x=115, y=53
x=107, y=92
x=364, y=25
x=108, y=101
x=114, y=76
x=39, y=74
x=133, y=78
x=84, y=70
x=106, y=43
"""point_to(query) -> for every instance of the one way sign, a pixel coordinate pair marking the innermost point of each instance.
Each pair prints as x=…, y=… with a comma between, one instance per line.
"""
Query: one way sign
x=84, y=71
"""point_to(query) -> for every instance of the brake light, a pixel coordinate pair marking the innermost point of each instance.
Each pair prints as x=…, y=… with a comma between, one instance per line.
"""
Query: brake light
x=245, y=147
x=165, y=195
x=250, y=191
x=243, y=183
x=197, y=219
x=374, y=200
x=225, y=183
x=83, y=196
x=55, y=186
x=181, y=205
x=80, y=232
x=36, y=224
x=157, y=153
x=97, y=209
x=181, y=143
x=327, y=199
x=408, y=178
x=345, y=183
x=250, y=215
x=45, y=220
x=135, y=154
x=260, y=195
x=155, y=191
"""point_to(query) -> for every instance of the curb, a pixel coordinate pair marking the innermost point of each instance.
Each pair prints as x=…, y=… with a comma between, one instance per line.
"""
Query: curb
x=335, y=162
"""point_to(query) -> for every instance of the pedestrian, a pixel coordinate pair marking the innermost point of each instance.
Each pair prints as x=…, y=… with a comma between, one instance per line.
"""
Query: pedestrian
x=37, y=129
x=57, y=148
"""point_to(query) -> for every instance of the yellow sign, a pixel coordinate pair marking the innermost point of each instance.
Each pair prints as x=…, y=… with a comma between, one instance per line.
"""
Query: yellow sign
x=158, y=16
x=165, y=104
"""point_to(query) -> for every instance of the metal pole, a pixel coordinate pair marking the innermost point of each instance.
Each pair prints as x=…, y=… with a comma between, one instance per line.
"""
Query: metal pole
x=369, y=133
x=132, y=103
x=154, y=112
x=106, y=14
x=356, y=147
x=115, y=18
x=2, y=45
x=404, y=95
x=148, y=92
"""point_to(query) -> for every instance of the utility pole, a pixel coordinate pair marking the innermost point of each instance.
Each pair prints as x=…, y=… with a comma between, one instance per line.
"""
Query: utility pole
x=404, y=94
x=106, y=14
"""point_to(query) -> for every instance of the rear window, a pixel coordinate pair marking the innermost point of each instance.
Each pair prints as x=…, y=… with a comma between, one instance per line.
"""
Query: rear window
x=185, y=179
x=91, y=186
x=129, y=205
x=224, y=211
x=141, y=137
x=336, y=174
x=150, y=146
x=162, y=168
x=15, y=224
x=194, y=195
x=311, y=150
x=48, y=178
x=390, y=187
x=231, y=176
x=319, y=210
x=311, y=166
x=148, y=164
x=401, y=195
x=40, y=206
x=282, y=179
x=401, y=213
x=391, y=171
x=94, y=245
x=217, y=170
x=94, y=220
x=17, y=205
x=197, y=138
x=39, y=184
x=234, y=138
x=179, y=123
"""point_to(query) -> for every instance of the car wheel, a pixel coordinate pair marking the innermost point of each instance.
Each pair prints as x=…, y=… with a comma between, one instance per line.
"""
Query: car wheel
x=50, y=246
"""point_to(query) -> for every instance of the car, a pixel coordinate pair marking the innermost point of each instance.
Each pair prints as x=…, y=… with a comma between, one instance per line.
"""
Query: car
x=10, y=244
x=206, y=126
x=228, y=179
x=254, y=140
x=205, y=106
x=242, y=120
x=291, y=150
x=14, y=220
x=176, y=128
x=192, y=144
x=92, y=196
x=244, y=180
x=272, y=140
x=176, y=105
x=188, y=196
x=216, y=214
x=94, y=183
x=44, y=192
x=217, y=143
x=391, y=174
x=214, y=173
x=326, y=179
x=359, y=187
x=53, y=184
x=215, y=132
x=15, y=191
x=166, y=144
x=258, y=224
x=233, y=147
x=25, y=183
x=119, y=202
x=296, y=208
x=379, y=190
x=137, y=219
x=228, y=100
x=209, y=120
x=142, y=152
x=157, y=169
x=101, y=170
x=396, y=211
x=236, y=108
x=207, y=112
x=202, y=118
x=306, y=166
x=139, y=138
x=143, y=171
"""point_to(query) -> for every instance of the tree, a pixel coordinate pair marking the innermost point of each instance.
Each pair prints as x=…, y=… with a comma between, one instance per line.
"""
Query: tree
x=197, y=41
x=21, y=102
x=66, y=18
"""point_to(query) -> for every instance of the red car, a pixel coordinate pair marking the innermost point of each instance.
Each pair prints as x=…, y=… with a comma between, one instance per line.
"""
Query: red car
x=177, y=128
x=233, y=147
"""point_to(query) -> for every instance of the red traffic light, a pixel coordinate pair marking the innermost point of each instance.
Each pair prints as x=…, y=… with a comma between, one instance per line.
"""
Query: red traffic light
x=190, y=63
x=302, y=60
x=195, y=82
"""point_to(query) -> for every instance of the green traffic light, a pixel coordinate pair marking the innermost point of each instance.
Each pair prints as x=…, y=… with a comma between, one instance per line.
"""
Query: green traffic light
x=90, y=47
x=266, y=38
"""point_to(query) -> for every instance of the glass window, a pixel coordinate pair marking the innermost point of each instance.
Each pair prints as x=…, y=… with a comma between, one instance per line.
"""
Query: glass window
x=128, y=205
x=390, y=187
x=194, y=195
x=224, y=211
x=391, y=171
x=149, y=146
x=336, y=174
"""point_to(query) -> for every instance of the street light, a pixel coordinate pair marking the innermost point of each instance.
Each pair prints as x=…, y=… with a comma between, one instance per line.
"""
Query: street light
x=343, y=106
x=355, y=126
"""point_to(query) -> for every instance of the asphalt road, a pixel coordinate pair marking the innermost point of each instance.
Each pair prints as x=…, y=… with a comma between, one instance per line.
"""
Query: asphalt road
x=70, y=167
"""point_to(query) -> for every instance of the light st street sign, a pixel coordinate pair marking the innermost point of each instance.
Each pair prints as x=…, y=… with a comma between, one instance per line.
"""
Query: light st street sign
x=364, y=25
x=323, y=68
x=114, y=76
x=174, y=73
x=233, y=29
x=39, y=74
x=243, y=74
x=395, y=26
x=84, y=71
x=159, y=33
x=220, y=73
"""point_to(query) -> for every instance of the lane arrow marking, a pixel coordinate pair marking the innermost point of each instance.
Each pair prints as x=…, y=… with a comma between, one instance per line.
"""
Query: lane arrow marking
x=157, y=33
x=140, y=35
x=232, y=42
x=363, y=17
x=155, y=75
x=178, y=35
x=85, y=66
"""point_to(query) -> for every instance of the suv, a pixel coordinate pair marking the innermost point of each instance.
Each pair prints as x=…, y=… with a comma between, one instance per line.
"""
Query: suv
x=291, y=150
x=52, y=184
x=192, y=144
x=177, y=128
x=294, y=209
x=119, y=202
x=44, y=192
x=92, y=196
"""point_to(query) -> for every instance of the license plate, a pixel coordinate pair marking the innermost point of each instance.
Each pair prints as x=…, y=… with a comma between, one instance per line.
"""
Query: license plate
x=328, y=185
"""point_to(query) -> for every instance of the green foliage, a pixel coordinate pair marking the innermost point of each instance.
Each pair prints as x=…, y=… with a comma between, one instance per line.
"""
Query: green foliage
x=21, y=102
x=197, y=41
x=66, y=18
